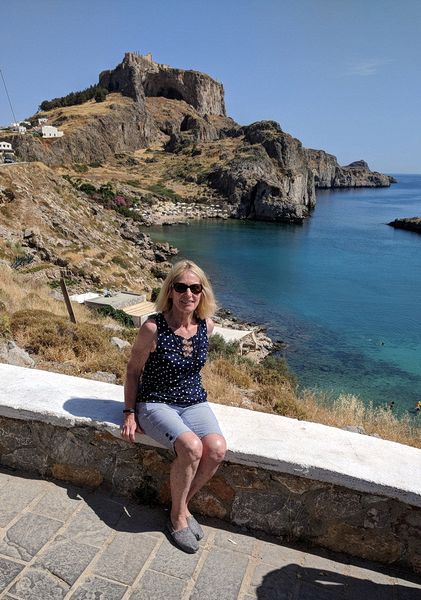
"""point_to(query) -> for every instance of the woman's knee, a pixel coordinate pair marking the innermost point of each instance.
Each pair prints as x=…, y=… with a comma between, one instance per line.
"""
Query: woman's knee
x=214, y=447
x=188, y=447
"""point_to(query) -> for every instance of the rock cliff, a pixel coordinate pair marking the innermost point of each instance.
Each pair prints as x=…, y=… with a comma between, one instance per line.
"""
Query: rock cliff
x=139, y=76
x=329, y=174
x=265, y=173
x=92, y=133
x=269, y=178
x=46, y=224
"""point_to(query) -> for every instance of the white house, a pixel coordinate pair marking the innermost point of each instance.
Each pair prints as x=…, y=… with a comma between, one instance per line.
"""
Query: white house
x=48, y=131
x=5, y=147
x=42, y=120
x=18, y=128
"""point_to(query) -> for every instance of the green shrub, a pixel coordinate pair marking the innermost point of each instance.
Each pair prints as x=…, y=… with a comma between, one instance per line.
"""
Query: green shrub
x=118, y=315
x=155, y=293
x=219, y=348
x=80, y=168
x=75, y=98
x=87, y=188
x=5, y=331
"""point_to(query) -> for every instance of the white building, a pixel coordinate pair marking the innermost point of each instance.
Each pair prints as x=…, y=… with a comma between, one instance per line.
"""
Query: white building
x=42, y=120
x=48, y=131
x=18, y=128
x=5, y=147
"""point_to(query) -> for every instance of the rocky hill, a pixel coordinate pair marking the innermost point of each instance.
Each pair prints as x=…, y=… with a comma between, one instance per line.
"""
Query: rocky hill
x=256, y=171
x=46, y=224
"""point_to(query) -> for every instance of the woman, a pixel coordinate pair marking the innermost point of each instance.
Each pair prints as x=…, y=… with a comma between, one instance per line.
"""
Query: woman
x=169, y=401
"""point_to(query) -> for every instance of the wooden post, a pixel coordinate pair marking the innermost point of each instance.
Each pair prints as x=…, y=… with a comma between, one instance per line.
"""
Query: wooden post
x=66, y=297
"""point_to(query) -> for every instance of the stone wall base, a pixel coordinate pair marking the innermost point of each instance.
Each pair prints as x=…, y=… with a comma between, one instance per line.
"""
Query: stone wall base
x=294, y=508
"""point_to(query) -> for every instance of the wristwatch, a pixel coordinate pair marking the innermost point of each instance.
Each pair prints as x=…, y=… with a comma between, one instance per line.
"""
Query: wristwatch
x=129, y=410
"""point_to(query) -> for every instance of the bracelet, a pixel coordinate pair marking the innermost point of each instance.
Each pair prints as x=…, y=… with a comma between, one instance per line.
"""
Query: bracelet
x=129, y=410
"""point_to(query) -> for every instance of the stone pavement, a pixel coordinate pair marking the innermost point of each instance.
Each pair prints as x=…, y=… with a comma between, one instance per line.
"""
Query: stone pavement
x=59, y=542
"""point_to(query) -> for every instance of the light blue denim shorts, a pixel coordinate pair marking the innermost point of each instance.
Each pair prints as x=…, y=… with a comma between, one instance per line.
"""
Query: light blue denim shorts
x=165, y=422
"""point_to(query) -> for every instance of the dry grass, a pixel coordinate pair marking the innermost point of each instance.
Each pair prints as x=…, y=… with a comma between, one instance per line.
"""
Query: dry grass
x=69, y=118
x=38, y=322
x=270, y=390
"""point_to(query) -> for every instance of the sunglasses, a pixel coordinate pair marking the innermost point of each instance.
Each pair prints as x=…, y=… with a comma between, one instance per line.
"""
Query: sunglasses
x=181, y=288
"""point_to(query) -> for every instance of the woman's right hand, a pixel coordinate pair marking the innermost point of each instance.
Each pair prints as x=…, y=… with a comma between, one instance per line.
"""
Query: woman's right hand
x=129, y=427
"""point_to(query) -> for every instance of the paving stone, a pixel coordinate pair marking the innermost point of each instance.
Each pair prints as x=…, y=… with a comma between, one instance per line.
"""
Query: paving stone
x=86, y=527
x=172, y=561
x=369, y=574
x=108, y=508
x=358, y=588
x=39, y=585
x=66, y=559
x=16, y=496
x=143, y=519
x=324, y=563
x=278, y=556
x=125, y=556
x=234, y=541
x=95, y=588
x=271, y=583
x=158, y=586
x=220, y=576
x=57, y=504
x=408, y=591
x=8, y=571
x=28, y=535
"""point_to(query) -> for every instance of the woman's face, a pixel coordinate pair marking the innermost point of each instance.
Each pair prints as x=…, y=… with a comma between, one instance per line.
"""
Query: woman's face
x=186, y=301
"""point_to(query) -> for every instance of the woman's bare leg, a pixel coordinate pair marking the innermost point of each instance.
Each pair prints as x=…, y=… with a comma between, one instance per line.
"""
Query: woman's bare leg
x=213, y=452
x=183, y=471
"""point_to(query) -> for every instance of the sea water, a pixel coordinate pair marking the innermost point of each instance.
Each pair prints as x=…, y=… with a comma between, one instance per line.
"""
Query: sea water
x=342, y=290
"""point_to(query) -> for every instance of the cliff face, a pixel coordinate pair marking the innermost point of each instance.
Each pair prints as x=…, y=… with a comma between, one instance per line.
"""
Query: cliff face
x=329, y=174
x=118, y=127
x=53, y=225
x=266, y=174
x=139, y=76
x=269, y=178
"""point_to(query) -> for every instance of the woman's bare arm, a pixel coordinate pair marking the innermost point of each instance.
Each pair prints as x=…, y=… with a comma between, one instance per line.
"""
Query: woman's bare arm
x=144, y=344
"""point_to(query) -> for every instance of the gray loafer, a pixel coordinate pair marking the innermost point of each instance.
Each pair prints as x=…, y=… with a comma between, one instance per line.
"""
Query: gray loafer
x=195, y=528
x=184, y=539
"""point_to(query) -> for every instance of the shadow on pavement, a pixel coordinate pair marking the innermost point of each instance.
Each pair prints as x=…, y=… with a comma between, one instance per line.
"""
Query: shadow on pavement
x=303, y=583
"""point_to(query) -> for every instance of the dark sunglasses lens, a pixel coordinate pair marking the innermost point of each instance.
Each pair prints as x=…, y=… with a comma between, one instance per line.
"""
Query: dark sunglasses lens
x=181, y=288
x=196, y=288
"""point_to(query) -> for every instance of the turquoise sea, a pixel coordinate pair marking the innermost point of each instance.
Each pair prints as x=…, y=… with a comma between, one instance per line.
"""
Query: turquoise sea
x=343, y=290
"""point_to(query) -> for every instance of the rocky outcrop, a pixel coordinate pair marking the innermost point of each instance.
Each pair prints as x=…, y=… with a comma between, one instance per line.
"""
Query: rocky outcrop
x=409, y=223
x=139, y=76
x=329, y=174
x=64, y=228
x=269, y=178
x=121, y=127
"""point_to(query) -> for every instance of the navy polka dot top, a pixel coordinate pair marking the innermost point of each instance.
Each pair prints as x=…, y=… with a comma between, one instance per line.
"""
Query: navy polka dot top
x=172, y=371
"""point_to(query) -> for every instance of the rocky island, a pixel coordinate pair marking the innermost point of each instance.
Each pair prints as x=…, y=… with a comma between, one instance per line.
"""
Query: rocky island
x=409, y=223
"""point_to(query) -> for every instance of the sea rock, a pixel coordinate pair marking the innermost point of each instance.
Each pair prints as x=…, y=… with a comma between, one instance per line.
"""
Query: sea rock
x=409, y=223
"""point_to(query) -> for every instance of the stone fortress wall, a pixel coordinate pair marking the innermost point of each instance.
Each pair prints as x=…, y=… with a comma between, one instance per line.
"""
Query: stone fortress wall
x=301, y=481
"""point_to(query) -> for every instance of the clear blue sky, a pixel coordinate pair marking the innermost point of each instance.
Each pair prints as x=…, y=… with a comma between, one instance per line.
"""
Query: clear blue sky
x=341, y=75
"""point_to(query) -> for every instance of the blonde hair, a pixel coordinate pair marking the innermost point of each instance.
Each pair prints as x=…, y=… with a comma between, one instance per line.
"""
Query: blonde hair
x=207, y=304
